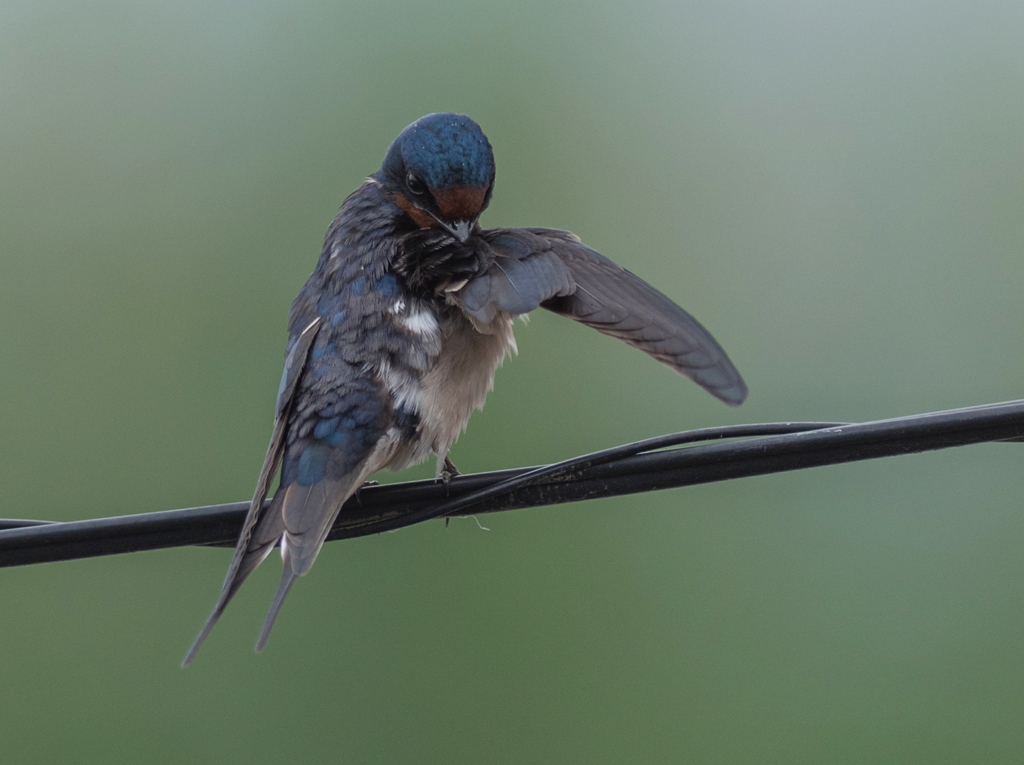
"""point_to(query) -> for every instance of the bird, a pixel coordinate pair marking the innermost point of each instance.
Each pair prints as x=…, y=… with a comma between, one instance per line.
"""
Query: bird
x=395, y=338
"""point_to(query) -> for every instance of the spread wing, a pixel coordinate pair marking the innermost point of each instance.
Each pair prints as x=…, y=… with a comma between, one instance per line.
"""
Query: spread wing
x=251, y=551
x=555, y=270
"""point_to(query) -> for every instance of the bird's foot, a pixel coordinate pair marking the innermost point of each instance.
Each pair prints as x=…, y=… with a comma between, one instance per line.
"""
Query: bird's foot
x=359, y=499
x=449, y=471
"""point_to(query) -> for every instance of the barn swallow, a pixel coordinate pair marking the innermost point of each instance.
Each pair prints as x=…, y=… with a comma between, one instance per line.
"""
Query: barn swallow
x=395, y=337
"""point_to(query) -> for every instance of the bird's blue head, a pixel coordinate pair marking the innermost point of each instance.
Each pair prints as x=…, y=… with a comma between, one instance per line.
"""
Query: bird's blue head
x=440, y=171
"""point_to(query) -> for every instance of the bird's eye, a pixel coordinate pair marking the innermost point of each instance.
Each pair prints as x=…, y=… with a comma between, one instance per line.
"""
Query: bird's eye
x=415, y=185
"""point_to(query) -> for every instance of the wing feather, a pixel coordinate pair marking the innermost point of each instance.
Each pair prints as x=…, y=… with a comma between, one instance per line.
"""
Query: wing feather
x=553, y=269
x=252, y=549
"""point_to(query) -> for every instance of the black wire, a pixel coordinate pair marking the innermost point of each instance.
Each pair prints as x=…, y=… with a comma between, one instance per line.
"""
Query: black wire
x=19, y=523
x=656, y=463
x=569, y=466
x=573, y=467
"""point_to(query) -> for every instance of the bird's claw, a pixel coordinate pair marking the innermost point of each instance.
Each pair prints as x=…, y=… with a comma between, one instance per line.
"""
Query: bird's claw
x=358, y=492
x=449, y=471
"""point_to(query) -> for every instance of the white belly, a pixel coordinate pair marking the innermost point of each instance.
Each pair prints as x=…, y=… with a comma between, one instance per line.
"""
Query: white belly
x=455, y=385
x=459, y=382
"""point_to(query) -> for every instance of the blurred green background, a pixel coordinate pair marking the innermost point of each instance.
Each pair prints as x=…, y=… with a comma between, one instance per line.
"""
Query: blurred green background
x=836, y=191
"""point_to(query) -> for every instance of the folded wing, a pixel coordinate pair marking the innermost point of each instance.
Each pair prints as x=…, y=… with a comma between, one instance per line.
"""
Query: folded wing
x=256, y=542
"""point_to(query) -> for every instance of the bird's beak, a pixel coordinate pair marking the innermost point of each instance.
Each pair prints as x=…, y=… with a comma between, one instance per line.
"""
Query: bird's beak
x=460, y=229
